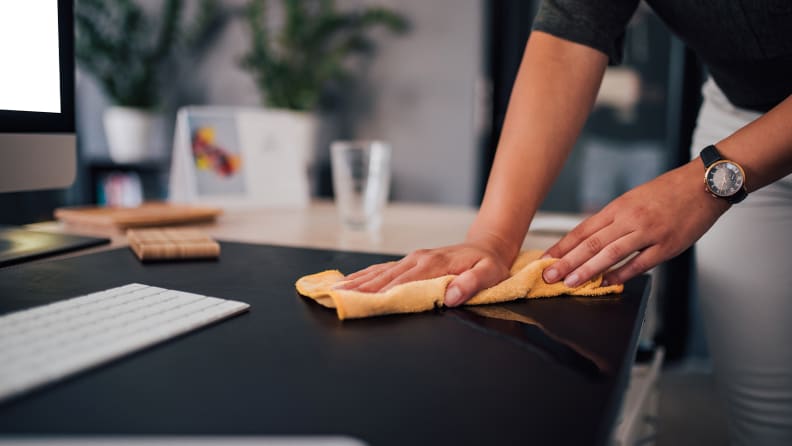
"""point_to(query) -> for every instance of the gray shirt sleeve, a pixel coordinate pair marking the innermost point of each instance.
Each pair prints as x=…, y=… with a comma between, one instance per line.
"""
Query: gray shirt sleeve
x=599, y=24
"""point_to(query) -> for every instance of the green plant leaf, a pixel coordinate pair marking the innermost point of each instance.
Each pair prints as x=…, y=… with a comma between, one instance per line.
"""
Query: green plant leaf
x=293, y=67
x=128, y=51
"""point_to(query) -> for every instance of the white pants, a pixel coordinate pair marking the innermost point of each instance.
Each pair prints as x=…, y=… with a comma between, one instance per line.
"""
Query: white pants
x=744, y=268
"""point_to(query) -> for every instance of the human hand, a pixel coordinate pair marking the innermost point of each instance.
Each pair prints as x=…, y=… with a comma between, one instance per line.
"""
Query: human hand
x=476, y=265
x=658, y=220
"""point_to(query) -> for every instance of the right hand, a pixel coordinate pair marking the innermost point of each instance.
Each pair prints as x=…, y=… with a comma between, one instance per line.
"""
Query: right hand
x=477, y=267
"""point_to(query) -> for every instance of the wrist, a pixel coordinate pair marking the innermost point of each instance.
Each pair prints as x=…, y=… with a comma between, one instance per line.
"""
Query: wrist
x=694, y=183
x=491, y=241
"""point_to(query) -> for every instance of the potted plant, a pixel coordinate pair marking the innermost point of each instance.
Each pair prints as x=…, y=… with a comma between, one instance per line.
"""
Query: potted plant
x=295, y=65
x=130, y=52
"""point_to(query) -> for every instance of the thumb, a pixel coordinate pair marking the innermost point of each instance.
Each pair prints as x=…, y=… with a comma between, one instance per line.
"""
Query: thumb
x=484, y=274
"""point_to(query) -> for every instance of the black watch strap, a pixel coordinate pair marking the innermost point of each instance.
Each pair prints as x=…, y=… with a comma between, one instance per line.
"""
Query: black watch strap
x=710, y=155
x=738, y=196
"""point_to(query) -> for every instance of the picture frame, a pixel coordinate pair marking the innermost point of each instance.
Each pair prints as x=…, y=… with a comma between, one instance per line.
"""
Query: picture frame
x=239, y=157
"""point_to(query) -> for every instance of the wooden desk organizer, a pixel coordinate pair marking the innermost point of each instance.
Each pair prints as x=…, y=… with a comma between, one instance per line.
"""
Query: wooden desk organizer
x=172, y=244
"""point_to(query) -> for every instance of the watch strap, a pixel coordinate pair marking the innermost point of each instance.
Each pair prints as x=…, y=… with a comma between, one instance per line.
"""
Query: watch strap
x=738, y=196
x=710, y=155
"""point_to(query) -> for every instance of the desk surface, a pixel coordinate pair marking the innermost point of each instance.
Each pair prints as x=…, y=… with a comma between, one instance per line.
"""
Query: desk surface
x=290, y=367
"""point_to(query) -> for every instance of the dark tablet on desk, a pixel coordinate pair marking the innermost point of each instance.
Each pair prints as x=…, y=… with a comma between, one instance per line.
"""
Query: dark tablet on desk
x=19, y=245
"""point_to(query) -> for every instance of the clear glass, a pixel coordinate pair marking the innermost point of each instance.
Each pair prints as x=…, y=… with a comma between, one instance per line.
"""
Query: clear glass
x=361, y=180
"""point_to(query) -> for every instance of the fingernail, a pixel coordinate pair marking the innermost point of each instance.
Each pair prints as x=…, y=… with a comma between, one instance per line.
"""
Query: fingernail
x=571, y=280
x=550, y=275
x=545, y=256
x=453, y=297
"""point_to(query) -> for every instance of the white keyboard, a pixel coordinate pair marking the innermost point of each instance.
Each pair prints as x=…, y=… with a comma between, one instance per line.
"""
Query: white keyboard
x=47, y=343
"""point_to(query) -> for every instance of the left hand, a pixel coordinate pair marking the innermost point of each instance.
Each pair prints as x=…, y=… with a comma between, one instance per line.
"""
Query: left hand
x=658, y=220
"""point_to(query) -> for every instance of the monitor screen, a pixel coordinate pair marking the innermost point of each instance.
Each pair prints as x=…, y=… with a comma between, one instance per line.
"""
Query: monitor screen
x=37, y=141
x=29, y=41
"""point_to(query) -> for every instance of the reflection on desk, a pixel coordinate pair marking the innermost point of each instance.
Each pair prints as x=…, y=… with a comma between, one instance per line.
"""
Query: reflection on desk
x=524, y=331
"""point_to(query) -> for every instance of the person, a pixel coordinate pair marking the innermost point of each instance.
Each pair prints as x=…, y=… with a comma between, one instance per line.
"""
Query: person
x=622, y=144
x=744, y=263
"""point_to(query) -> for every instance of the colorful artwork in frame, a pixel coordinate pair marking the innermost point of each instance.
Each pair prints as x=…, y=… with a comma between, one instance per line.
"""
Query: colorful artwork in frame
x=238, y=156
x=216, y=154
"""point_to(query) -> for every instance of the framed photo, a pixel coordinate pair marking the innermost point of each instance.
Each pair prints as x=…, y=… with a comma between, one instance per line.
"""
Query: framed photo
x=228, y=157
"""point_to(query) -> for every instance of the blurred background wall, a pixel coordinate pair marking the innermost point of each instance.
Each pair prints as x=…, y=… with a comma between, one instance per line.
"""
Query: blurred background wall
x=422, y=92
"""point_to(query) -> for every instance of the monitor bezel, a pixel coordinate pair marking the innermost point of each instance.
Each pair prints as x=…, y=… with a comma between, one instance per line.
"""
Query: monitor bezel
x=12, y=121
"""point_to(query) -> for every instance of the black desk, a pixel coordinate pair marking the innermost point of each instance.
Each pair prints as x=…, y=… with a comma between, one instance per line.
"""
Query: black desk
x=290, y=367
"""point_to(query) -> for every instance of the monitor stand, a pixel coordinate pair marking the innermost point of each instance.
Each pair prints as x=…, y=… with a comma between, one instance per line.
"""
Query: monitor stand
x=19, y=245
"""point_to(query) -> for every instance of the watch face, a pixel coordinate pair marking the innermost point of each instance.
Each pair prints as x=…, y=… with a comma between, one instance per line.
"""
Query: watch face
x=724, y=178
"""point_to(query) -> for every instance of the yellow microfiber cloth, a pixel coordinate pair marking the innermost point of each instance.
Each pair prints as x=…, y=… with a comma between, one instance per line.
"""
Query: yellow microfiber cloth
x=524, y=282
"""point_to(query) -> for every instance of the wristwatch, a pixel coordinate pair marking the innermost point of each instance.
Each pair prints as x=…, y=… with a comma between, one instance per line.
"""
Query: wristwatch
x=723, y=178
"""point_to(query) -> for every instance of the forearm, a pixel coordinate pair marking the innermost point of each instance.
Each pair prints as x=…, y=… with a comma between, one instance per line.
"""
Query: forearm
x=553, y=94
x=764, y=147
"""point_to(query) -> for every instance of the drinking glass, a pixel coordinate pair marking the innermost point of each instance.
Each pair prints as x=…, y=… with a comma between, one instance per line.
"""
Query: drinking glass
x=361, y=179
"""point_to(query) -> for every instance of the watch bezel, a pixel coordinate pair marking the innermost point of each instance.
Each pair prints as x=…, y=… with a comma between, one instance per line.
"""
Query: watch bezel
x=714, y=166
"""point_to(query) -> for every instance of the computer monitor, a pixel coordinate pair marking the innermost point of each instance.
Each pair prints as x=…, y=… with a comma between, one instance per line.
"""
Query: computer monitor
x=38, y=148
x=37, y=134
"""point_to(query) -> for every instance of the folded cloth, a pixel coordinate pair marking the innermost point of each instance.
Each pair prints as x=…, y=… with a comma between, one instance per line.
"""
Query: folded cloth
x=524, y=282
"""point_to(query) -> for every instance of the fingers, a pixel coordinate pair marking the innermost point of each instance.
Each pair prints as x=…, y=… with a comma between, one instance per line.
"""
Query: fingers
x=376, y=279
x=639, y=264
x=593, y=255
x=484, y=274
x=370, y=270
x=611, y=255
x=581, y=232
x=417, y=272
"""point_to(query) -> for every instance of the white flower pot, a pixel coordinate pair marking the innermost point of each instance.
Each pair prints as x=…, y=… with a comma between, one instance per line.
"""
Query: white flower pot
x=299, y=131
x=130, y=132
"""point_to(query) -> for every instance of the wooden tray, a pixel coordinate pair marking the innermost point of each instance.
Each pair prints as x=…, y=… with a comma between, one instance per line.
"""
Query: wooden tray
x=147, y=214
